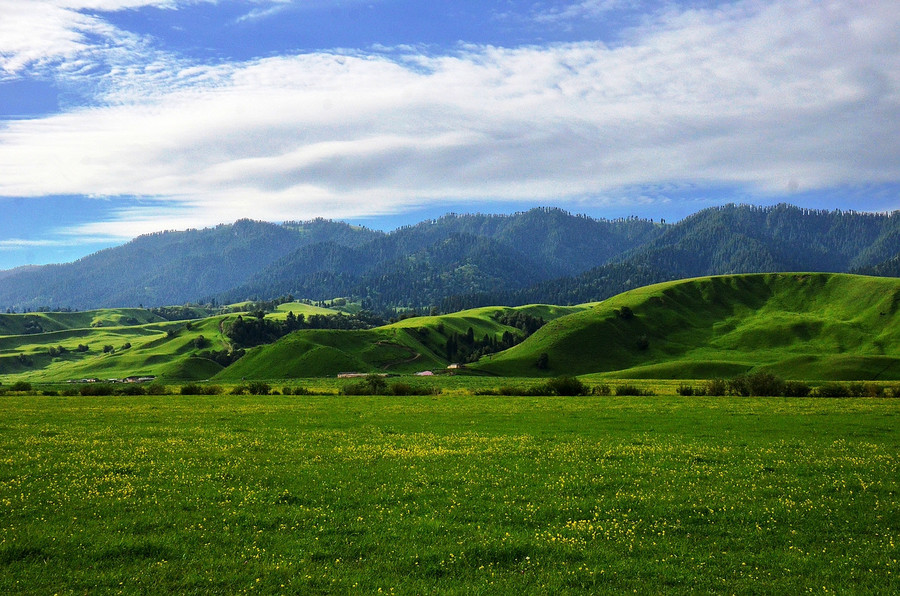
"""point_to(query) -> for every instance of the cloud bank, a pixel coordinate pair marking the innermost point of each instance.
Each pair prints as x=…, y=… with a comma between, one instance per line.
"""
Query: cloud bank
x=770, y=96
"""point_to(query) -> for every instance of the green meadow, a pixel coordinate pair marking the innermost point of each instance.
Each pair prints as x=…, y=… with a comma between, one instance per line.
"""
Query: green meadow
x=448, y=495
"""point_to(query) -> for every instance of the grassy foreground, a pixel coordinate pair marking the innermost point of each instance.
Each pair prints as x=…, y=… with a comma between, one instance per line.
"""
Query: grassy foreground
x=448, y=495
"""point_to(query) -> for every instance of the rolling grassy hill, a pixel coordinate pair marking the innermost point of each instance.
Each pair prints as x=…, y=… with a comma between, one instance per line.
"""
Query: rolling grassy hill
x=804, y=326
x=142, y=344
x=408, y=346
x=809, y=326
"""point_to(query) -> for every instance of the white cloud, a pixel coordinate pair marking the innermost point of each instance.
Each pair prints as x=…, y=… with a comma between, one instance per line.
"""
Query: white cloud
x=583, y=9
x=771, y=95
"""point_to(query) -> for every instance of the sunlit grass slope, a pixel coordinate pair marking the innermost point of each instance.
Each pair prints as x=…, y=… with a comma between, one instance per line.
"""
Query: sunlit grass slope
x=14, y=324
x=804, y=326
x=166, y=349
x=408, y=346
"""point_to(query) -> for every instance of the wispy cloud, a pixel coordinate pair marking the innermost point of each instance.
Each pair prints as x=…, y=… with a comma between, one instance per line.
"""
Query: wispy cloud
x=771, y=96
x=581, y=9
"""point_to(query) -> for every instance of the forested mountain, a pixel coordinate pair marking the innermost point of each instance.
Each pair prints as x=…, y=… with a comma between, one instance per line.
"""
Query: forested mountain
x=167, y=267
x=889, y=268
x=423, y=265
x=458, y=261
x=726, y=240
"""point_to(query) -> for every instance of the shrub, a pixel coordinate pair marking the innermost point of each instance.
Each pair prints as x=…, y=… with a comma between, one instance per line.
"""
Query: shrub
x=625, y=313
x=715, y=387
x=686, y=390
x=796, y=389
x=403, y=389
x=96, y=389
x=567, y=386
x=49, y=393
x=20, y=386
x=874, y=390
x=601, y=389
x=259, y=388
x=156, y=389
x=131, y=389
x=631, y=390
x=831, y=390
x=372, y=385
x=196, y=389
x=739, y=386
x=239, y=390
x=643, y=342
x=763, y=384
x=857, y=390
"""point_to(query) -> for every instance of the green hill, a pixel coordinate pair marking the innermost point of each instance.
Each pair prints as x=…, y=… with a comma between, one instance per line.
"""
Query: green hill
x=805, y=326
x=112, y=343
x=408, y=346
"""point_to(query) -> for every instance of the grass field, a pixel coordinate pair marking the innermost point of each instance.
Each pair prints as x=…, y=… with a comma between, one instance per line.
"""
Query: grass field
x=465, y=495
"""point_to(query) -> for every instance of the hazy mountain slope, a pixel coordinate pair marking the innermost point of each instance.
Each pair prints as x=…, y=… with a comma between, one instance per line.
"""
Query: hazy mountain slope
x=808, y=326
x=427, y=263
x=733, y=239
x=167, y=267
x=888, y=268
x=457, y=261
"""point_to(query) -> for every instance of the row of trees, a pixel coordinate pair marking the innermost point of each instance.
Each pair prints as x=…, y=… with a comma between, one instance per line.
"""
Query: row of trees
x=255, y=330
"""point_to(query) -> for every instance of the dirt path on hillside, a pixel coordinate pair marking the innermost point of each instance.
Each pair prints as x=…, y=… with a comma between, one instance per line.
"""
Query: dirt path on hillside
x=415, y=355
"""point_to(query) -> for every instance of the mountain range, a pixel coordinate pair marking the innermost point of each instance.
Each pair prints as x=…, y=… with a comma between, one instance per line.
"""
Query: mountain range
x=544, y=255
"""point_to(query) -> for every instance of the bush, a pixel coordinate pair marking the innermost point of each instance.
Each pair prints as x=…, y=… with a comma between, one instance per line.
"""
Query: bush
x=96, y=389
x=763, y=384
x=686, y=390
x=239, y=390
x=372, y=385
x=131, y=389
x=739, y=386
x=156, y=389
x=715, y=387
x=403, y=389
x=857, y=390
x=625, y=313
x=796, y=389
x=196, y=389
x=258, y=388
x=874, y=390
x=50, y=393
x=20, y=386
x=631, y=390
x=601, y=389
x=831, y=390
x=567, y=386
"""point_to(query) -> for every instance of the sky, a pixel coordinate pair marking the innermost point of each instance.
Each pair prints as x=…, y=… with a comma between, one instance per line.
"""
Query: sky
x=125, y=117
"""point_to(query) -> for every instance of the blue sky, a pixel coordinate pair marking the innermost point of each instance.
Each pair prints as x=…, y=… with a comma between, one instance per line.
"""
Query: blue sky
x=123, y=117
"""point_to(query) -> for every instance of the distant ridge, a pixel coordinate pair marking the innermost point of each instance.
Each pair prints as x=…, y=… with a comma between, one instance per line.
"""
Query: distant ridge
x=543, y=255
